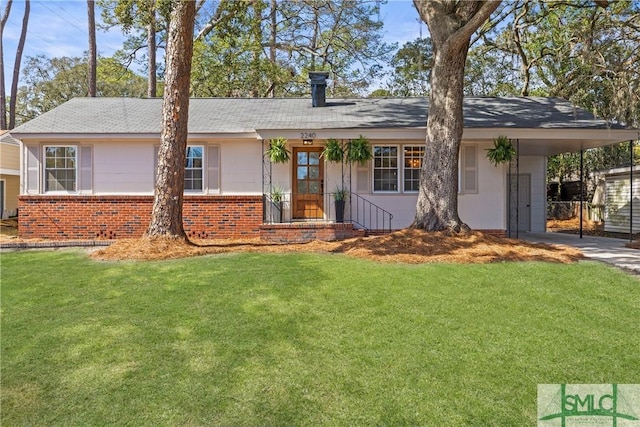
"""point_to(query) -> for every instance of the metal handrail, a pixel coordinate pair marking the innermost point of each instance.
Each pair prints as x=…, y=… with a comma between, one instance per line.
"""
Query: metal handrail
x=368, y=215
x=358, y=211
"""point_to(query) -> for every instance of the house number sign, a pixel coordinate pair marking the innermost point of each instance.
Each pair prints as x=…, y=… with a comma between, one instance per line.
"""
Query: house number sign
x=307, y=135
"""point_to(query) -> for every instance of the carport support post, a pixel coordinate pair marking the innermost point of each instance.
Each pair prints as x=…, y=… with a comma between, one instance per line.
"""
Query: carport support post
x=581, y=188
x=631, y=191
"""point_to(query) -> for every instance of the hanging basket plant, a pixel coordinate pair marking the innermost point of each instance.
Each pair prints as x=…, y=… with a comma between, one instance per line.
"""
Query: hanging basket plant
x=277, y=151
x=502, y=151
x=359, y=150
x=333, y=151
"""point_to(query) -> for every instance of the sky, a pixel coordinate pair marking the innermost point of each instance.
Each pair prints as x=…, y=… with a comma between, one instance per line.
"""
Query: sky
x=59, y=28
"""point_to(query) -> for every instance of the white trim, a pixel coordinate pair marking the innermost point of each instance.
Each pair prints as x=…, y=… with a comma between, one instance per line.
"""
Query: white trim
x=43, y=166
x=403, y=178
x=134, y=136
x=398, y=169
x=10, y=171
x=202, y=168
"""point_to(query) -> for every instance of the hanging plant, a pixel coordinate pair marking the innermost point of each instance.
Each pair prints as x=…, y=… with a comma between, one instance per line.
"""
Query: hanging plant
x=277, y=151
x=502, y=151
x=359, y=150
x=333, y=151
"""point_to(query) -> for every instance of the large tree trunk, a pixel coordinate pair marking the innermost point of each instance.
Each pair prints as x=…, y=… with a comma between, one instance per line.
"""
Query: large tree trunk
x=93, y=55
x=451, y=25
x=166, y=215
x=437, y=207
x=16, y=66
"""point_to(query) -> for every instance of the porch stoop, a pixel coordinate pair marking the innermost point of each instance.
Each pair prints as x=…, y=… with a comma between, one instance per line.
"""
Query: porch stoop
x=303, y=232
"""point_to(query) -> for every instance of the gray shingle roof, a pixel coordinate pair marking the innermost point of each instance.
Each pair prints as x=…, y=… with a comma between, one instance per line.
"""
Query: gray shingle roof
x=239, y=115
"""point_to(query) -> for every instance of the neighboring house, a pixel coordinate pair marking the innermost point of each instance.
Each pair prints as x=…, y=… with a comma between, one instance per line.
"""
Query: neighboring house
x=9, y=174
x=619, y=201
x=88, y=165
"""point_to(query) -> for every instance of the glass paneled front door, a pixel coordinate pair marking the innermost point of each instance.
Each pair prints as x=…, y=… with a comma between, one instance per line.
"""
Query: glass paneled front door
x=308, y=183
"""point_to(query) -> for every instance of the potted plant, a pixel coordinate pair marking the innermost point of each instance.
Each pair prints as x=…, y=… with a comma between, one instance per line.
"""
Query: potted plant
x=277, y=150
x=277, y=196
x=359, y=150
x=340, y=197
x=502, y=151
x=333, y=151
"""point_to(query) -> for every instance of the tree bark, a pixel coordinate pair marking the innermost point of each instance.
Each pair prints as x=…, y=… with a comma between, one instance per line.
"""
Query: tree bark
x=273, y=33
x=151, y=42
x=451, y=25
x=166, y=215
x=93, y=56
x=16, y=65
x=3, y=90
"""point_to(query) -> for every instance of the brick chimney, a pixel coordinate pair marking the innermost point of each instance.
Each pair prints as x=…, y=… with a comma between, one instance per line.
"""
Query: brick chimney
x=318, y=88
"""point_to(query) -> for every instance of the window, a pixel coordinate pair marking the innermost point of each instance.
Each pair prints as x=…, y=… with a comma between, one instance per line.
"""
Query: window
x=412, y=164
x=385, y=168
x=468, y=169
x=193, y=169
x=60, y=168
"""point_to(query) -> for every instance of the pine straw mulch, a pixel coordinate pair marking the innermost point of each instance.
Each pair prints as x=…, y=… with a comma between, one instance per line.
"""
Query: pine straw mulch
x=409, y=246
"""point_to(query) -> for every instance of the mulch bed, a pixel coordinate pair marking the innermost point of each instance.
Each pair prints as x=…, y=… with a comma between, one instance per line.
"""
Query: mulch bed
x=405, y=246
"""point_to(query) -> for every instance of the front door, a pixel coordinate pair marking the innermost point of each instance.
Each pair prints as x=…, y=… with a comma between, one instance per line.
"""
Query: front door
x=308, y=183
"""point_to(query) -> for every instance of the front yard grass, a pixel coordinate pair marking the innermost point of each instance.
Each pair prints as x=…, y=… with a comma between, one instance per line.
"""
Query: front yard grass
x=304, y=339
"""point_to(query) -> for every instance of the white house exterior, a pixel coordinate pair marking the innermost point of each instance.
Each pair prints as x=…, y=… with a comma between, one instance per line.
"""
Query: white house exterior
x=88, y=165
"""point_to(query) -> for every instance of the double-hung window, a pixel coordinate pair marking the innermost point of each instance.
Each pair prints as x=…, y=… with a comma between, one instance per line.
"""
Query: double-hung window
x=60, y=168
x=385, y=168
x=193, y=173
x=387, y=172
x=412, y=165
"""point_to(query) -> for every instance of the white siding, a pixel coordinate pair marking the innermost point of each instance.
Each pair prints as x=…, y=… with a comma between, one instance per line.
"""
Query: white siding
x=536, y=166
x=617, y=205
x=241, y=168
x=129, y=167
x=123, y=168
x=485, y=209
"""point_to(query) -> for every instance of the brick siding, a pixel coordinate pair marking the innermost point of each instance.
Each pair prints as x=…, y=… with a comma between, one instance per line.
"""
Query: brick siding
x=303, y=232
x=117, y=217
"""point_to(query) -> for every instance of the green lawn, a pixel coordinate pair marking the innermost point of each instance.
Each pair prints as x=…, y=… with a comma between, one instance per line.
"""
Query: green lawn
x=304, y=339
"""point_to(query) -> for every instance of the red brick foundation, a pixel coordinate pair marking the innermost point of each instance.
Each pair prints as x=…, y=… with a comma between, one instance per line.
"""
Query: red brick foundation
x=117, y=217
x=204, y=217
x=302, y=232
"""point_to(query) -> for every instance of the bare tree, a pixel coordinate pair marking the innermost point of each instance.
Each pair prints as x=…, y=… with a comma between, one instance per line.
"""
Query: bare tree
x=152, y=85
x=451, y=24
x=3, y=90
x=16, y=65
x=166, y=215
x=93, y=60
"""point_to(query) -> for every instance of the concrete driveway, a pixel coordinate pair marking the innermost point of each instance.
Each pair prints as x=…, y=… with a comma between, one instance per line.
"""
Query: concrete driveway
x=605, y=249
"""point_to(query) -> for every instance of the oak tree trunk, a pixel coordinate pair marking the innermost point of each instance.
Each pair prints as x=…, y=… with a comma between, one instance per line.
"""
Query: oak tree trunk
x=437, y=207
x=451, y=25
x=166, y=215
